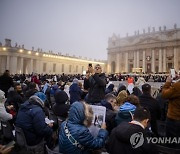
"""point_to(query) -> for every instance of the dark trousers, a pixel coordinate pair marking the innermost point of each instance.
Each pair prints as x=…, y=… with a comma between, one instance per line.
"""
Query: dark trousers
x=173, y=130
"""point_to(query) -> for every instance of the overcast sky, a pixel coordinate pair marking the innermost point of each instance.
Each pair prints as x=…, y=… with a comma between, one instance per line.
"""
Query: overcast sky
x=81, y=27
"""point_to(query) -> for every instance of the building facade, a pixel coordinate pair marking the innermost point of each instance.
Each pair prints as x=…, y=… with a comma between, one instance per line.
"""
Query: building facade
x=151, y=52
x=19, y=60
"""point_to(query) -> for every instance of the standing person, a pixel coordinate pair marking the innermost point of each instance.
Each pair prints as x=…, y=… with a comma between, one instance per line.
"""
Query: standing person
x=130, y=86
x=97, y=85
x=146, y=100
x=6, y=82
x=140, y=82
x=171, y=91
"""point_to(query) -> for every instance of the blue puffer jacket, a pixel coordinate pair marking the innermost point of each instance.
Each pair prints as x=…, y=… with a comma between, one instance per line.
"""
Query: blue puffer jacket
x=125, y=113
x=79, y=132
x=31, y=119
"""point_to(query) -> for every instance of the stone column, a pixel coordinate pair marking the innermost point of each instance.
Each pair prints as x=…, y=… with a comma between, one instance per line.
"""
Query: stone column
x=37, y=66
x=153, y=62
x=13, y=69
x=7, y=63
x=117, y=62
x=144, y=61
x=160, y=60
x=137, y=59
x=109, y=64
x=22, y=65
x=175, y=59
x=121, y=60
x=126, y=62
x=164, y=60
x=31, y=66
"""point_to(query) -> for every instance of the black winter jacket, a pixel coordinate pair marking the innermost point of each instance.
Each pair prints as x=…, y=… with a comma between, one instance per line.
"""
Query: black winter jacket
x=97, y=83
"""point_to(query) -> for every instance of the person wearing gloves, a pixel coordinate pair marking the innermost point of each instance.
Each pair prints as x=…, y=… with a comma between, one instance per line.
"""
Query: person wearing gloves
x=75, y=137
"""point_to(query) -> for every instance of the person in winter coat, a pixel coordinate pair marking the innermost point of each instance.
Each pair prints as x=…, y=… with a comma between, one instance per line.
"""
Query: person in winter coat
x=31, y=118
x=146, y=100
x=74, y=135
x=109, y=89
x=130, y=137
x=14, y=99
x=127, y=109
x=4, y=115
x=125, y=113
x=97, y=83
x=137, y=91
x=60, y=108
x=31, y=90
x=6, y=82
x=171, y=91
x=140, y=82
x=75, y=91
x=109, y=102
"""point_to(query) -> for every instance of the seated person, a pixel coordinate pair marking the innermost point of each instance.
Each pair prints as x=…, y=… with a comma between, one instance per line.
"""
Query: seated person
x=60, y=108
x=122, y=137
x=74, y=136
x=31, y=118
x=109, y=102
x=127, y=109
x=4, y=116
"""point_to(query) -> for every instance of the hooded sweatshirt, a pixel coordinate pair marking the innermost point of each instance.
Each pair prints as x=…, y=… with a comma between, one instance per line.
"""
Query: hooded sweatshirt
x=125, y=113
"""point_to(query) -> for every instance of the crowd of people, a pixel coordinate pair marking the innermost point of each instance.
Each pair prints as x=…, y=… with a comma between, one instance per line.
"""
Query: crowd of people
x=27, y=101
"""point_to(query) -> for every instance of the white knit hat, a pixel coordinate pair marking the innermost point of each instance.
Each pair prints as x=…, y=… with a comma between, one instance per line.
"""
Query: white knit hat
x=2, y=96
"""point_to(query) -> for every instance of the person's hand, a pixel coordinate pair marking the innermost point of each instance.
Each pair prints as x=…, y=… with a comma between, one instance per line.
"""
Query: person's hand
x=50, y=124
x=9, y=107
x=90, y=69
x=169, y=79
x=103, y=126
x=4, y=150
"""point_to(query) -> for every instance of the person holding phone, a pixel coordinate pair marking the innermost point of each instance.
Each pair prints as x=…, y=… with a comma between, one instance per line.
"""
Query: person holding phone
x=97, y=85
x=171, y=91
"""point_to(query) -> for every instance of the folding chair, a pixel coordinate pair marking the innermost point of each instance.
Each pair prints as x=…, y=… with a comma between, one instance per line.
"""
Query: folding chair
x=21, y=141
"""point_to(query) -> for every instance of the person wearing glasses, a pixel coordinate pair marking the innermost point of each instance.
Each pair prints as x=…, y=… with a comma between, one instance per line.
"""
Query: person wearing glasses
x=97, y=85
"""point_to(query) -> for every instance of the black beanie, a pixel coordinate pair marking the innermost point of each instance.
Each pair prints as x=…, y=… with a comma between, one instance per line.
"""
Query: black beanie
x=61, y=97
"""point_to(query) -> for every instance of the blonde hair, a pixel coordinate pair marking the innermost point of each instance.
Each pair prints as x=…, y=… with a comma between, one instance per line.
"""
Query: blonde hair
x=88, y=114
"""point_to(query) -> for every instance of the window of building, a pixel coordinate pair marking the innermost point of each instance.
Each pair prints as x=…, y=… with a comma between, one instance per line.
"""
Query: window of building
x=62, y=67
x=44, y=67
x=54, y=67
x=82, y=68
